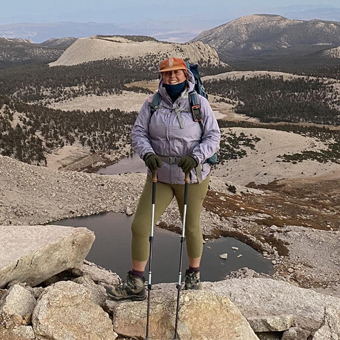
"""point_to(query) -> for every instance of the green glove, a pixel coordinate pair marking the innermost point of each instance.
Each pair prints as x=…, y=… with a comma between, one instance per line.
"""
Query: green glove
x=152, y=161
x=187, y=163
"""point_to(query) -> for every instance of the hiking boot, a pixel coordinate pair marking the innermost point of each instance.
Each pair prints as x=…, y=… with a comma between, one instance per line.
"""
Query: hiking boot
x=192, y=280
x=131, y=289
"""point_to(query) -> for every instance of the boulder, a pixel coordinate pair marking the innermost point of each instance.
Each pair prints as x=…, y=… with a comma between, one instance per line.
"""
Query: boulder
x=270, y=336
x=98, y=292
x=296, y=333
x=277, y=323
x=17, y=301
x=66, y=311
x=256, y=297
x=25, y=331
x=207, y=315
x=95, y=279
x=32, y=254
x=202, y=315
x=97, y=273
x=71, y=309
x=330, y=329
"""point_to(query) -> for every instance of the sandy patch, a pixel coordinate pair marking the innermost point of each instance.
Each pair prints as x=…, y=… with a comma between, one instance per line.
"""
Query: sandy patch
x=152, y=85
x=263, y=165
x=226, y=111
x=128, y=101
x=131, y=102
x=251, y=74
x=218, y=115
x=66, y=156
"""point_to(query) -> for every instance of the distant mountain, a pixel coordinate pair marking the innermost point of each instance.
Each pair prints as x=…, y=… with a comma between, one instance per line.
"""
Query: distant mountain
x=271, y=35
x=40, y=32
x=62, y=43
x=14, y=52
x=173, y=28
x=251, y=42
x=144, y=19
x=308, y=12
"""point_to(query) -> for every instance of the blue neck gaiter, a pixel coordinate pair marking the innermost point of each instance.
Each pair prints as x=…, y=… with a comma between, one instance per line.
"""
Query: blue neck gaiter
x=174, y=91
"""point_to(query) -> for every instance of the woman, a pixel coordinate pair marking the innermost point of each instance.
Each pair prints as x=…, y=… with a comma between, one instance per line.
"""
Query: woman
x=171, y=143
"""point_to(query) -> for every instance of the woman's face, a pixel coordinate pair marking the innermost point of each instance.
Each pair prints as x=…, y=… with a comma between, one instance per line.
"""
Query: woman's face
x=173, y=77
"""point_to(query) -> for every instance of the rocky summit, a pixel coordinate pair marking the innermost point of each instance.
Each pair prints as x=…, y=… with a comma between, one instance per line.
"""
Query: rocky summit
x=74, y=304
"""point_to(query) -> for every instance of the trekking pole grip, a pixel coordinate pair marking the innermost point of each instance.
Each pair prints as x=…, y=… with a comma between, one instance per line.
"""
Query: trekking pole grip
x=154, y=176
x=187, y=177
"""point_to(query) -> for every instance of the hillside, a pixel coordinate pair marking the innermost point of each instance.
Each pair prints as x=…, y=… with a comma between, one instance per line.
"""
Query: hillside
x=70, y=100
x=273, y=97
x=148, y=51
x=333, y=52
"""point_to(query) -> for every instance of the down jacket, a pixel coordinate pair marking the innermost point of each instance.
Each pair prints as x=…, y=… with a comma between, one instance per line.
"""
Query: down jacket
x=172, y=132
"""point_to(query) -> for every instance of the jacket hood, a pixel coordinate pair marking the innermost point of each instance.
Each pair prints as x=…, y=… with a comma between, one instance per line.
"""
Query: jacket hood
x=164, y=94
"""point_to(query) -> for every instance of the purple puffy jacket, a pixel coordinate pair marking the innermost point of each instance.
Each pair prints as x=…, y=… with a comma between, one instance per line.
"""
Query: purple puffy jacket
x=172, y=132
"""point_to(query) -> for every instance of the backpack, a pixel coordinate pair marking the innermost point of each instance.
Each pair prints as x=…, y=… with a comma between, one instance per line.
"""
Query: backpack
x=193, y=100
x=199, y=88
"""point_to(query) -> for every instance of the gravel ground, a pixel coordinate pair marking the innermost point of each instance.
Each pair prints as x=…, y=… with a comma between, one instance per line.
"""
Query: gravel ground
x=37, y=195
x=305, y=256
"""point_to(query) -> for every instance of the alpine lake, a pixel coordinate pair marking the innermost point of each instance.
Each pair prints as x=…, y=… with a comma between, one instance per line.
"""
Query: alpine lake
x=111, y=248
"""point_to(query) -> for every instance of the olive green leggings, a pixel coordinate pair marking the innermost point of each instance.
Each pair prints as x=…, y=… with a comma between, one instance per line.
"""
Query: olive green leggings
x=141, y=225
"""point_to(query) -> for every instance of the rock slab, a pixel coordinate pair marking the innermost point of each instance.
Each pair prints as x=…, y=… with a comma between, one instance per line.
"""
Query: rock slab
x=32, y=254
x=259, y=297
x=202, y=315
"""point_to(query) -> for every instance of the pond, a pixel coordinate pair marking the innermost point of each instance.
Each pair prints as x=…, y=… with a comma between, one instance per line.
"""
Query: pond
x=111, y=250
x=131, y=163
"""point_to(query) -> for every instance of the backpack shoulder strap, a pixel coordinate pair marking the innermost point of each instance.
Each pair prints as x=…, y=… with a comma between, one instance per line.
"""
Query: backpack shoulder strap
x=195, y=108
x=154, y=103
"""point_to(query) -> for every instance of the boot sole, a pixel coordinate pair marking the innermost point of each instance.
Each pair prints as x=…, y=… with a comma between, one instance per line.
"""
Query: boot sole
x=193, y=288
x=126, y=298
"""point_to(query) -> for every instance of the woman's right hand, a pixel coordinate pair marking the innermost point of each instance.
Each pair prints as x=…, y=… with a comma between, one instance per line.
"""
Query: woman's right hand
x=187, y=163
x=152, y=161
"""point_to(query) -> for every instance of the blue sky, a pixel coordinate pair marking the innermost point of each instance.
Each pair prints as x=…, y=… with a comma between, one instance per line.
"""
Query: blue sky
x=108, y=11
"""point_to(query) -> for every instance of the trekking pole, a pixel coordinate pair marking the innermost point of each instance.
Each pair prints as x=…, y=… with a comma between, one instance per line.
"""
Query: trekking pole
x=153, y=199
x=186, y=180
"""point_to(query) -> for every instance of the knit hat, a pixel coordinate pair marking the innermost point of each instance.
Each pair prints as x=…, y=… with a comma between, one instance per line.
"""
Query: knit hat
x=172, y=64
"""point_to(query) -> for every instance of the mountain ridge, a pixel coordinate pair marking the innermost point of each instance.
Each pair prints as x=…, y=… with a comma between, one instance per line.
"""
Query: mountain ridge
x=267, y=34
x=81, y=25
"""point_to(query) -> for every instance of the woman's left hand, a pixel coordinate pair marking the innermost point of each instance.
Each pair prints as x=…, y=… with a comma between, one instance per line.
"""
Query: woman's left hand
x=187, y=163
